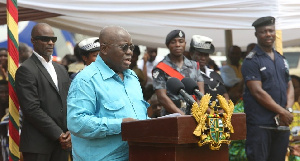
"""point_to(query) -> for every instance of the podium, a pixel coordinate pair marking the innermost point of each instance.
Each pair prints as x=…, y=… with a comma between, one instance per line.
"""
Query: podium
x=172, y=139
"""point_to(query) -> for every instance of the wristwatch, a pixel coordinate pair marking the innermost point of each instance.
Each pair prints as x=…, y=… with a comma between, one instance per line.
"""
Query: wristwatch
x=290, y=109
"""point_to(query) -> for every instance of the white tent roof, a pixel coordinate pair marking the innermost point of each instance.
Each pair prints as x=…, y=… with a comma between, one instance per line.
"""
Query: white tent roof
x=149, y=21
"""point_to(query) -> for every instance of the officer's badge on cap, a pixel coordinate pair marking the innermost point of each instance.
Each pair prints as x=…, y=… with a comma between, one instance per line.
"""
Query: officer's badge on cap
x=90, y=44
x=264, y=21
x=202, y=44
x=173, y=34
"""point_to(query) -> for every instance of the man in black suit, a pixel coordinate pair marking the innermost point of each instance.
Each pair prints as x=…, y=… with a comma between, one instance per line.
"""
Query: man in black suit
x=42, y=88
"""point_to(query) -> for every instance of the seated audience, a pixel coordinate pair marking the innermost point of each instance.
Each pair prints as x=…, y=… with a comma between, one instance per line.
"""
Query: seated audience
x=149, y=61
x=3, y=64
x=133, y=66
x=25, y=52
x=155, y=108
x=78, y=65
x=232, y=75
x=67, y=60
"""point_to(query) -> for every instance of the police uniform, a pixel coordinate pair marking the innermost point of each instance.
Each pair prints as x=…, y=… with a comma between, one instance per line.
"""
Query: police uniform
x=189, y=69
x=274, y=76
x=213, y=83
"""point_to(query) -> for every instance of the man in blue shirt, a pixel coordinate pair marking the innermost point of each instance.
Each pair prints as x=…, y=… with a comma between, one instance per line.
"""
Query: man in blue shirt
x=269, y=92
x=101, y=97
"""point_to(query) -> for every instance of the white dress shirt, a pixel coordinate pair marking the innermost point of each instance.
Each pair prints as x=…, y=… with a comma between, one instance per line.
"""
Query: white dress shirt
x=49, y=67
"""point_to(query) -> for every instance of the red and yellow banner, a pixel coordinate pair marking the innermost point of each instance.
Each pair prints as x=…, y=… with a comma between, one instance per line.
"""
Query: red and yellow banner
x=13, y=63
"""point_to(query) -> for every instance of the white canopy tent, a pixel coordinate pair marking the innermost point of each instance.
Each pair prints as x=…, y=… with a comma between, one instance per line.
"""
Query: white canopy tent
x=149, y=21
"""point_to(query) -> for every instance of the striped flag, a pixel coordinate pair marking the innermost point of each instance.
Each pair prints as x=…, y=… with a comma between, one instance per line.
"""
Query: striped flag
x=13, y=63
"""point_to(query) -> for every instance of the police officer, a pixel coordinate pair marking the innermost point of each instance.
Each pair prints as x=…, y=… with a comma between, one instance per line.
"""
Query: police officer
x=200, y=48
x=178, y=63
x=88, y=50
x=268, y=93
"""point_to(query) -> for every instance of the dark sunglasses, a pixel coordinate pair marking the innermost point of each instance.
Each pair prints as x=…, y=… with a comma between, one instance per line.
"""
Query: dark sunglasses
x=45, y=38
x=124, y=47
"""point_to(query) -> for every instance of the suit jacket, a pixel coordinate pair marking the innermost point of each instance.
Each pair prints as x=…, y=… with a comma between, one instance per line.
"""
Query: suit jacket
x=43, y=105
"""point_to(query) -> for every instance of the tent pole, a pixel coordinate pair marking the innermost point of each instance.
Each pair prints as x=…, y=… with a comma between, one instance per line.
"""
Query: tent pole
x=278, y=41
x=228, y=42
x=13, y=63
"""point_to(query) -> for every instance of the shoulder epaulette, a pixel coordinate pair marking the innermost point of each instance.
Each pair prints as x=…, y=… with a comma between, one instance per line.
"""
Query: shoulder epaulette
x=280, y=54
x=251, y=54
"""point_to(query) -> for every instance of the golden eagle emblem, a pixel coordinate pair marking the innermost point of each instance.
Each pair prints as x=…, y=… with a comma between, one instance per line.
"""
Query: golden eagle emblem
x=213, y=128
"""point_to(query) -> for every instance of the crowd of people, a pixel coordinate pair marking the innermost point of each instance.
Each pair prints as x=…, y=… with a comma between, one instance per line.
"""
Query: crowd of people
x=73, y=110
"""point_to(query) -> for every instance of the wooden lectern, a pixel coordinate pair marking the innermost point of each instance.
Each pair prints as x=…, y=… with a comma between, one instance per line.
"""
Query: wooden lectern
x=172, y=139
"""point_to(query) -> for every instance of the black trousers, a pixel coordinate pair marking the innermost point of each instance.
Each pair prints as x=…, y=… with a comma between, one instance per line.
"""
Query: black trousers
x=266, y=144
x=57, y=154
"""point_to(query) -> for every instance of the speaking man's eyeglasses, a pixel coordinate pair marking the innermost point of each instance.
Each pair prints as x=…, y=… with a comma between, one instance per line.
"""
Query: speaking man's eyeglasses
x=45, y=38
x=124, y=47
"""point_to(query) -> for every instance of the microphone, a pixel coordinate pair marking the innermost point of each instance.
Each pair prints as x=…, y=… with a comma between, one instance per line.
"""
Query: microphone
x=176, y=87
x=192, y=87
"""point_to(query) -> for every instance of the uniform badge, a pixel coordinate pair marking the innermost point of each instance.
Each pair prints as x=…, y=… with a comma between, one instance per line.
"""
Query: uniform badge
x=180, y=34
x=155, y=74
x=213, y=128
x=263, y=68
x=286, y=64
x=250, y=55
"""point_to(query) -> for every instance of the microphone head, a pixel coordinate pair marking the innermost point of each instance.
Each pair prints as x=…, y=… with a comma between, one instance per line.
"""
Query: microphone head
x=174, y=85
x=190, y=85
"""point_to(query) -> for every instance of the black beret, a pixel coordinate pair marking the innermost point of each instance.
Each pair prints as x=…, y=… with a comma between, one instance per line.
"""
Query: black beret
x=264, y=21
x=173, y=34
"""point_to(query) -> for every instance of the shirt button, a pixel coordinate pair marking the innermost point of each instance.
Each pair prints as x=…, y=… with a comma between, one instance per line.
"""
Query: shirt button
x=61, y=110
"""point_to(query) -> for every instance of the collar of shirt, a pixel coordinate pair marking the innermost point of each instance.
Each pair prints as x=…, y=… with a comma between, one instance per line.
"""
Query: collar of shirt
x=207, y=71
x=49, y=67
x=42, y=59
x=260, y=52
x=106, y=72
